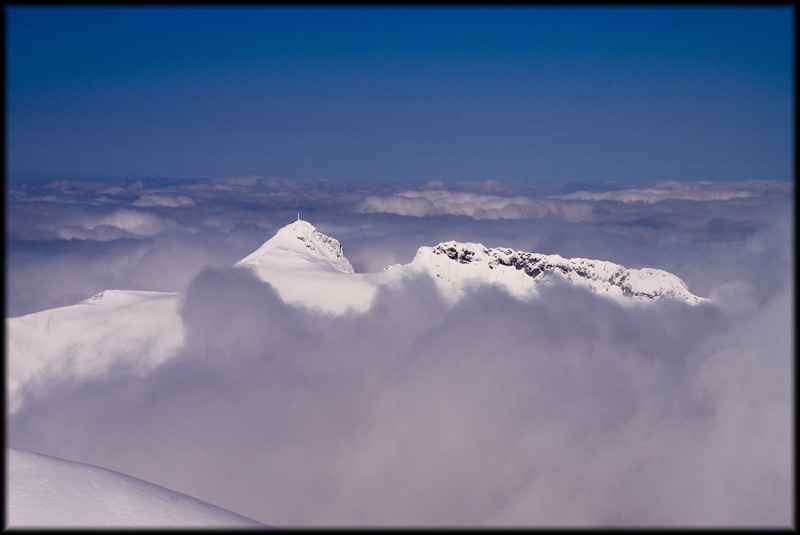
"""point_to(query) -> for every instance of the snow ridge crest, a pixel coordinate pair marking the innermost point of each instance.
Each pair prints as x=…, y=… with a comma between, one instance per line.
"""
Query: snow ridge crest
x=300, y=248
x=502, y=264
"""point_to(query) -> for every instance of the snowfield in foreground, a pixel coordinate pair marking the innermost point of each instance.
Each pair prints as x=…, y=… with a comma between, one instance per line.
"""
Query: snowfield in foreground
x=47, y=491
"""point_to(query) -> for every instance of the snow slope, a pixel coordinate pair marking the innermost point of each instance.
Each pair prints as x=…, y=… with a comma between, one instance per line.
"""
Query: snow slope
x=44, y=491
x=298, y=243
x=133, y=331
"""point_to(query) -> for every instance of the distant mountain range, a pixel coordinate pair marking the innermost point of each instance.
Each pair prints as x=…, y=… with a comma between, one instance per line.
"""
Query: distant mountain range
x=307, y=267
x=136, y=331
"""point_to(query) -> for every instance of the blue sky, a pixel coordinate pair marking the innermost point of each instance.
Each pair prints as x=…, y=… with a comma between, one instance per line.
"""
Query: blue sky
x=400, y=94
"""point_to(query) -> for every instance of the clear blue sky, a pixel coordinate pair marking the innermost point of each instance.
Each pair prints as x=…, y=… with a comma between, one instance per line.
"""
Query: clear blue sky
x=409, y=94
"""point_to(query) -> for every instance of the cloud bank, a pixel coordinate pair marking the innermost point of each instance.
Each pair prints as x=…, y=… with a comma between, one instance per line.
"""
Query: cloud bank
x=439, y=202
x=163, y=200
x=567, y=411
x=572, y=412
x=672, y=190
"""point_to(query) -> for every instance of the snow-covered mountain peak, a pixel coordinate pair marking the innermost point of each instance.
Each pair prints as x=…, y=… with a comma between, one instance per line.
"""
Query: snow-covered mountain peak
x=518, y=271
x=300, y=242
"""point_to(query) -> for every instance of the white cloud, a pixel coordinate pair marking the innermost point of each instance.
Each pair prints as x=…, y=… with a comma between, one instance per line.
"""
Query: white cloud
x=685, y=191
x=403, y=204
x=653, y=195
x=122, y=223
x=154, y=199
x=432, y=202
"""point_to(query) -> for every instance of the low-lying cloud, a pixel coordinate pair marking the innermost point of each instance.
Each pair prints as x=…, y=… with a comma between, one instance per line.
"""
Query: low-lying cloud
x=573, y=411
x=478, y=206
x=569, y=410
x=118, y=224
x=163, y=200
x=685, y=191
x=662, y=192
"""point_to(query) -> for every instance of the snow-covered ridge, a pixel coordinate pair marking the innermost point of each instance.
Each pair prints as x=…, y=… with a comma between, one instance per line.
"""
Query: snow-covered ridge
x=517, y=270
x=308, y=268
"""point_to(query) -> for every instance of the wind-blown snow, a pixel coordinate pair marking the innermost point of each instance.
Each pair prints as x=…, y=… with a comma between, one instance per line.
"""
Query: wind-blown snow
x=45, y=491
